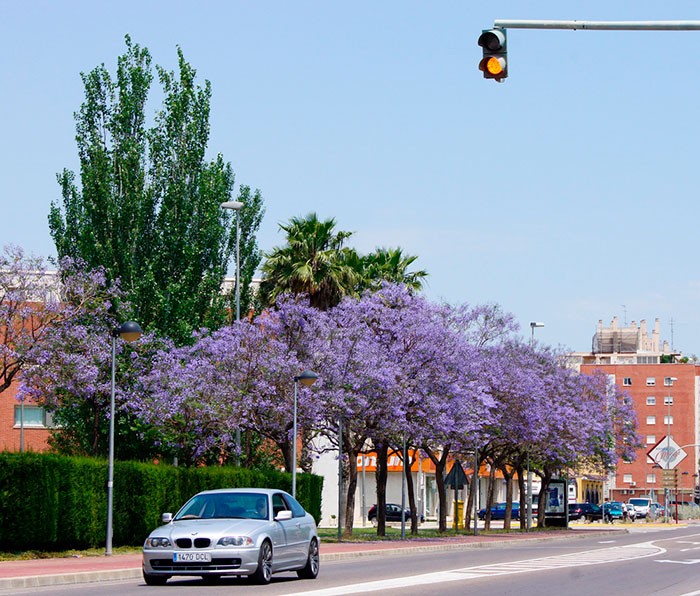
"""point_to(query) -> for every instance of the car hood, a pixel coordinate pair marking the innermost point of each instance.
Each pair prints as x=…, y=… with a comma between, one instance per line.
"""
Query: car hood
x=212, y=528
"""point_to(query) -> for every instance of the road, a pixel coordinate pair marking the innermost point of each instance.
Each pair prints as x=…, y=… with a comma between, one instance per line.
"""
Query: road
x=660, y=562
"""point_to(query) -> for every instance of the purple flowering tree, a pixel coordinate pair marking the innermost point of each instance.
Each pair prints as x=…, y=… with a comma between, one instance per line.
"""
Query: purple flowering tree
x=70, y=372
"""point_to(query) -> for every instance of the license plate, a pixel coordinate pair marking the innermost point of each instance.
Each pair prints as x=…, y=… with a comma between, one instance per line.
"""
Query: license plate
x=191, y=557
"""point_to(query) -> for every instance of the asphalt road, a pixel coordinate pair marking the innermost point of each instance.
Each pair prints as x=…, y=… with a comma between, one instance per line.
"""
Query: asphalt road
x=659, y=562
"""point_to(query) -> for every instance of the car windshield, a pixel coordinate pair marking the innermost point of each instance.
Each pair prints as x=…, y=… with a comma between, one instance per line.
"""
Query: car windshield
x=225, y=506
x=640, y=502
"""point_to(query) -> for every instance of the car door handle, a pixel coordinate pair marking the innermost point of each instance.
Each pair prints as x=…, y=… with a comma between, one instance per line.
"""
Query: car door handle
x=298, y=525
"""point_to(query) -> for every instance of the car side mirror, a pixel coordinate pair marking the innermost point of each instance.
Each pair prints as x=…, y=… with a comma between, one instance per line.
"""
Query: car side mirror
x=166, y=518
x=284, y=515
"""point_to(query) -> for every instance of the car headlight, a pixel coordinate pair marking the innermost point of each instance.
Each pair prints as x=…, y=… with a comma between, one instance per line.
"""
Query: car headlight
x=156, y=542
x=235, y=541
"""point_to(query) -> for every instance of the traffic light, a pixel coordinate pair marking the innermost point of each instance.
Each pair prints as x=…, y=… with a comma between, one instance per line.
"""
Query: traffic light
x=494, y=63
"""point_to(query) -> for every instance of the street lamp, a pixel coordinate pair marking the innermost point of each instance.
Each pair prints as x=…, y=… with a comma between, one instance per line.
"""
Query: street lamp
x=532, y=331
x=129, y=331
x=307, y=378
x=236, y=206
x=668, y=381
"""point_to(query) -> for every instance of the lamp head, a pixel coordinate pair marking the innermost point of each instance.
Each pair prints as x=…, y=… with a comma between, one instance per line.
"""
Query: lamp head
x=307, y=378
x=129, y=331
x=536, y=324
x=235, y=205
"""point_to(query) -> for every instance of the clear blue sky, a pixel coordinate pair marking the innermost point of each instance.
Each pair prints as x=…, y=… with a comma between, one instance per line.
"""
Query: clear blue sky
x=567, y=194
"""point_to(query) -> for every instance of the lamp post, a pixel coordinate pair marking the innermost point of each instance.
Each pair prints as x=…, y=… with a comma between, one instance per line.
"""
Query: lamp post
x=528, y=518
x=236, y=206
x=129, y=332
x=668, y=381
x=533, y=325
x=307, y=378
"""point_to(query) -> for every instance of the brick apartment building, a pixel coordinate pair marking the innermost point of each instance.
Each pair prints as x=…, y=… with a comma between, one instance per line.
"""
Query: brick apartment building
x=15, y=421
x=665, y=390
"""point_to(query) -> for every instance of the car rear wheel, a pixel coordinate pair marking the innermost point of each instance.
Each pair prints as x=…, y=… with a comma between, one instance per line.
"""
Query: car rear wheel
x=263, y=574
x=313, y=563
x=155, y=580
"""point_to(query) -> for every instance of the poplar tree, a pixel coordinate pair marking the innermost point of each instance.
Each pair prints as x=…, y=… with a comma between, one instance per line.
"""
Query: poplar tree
x=146, y=202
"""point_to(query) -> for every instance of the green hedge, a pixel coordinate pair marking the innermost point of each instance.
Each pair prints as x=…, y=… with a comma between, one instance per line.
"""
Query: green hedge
x=53, y=502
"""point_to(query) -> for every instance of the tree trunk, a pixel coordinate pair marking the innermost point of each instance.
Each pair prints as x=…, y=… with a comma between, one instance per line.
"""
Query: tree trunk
x=350, y=481
x=382, y=472
x=410, y=491
x=468, y=508
x=489, y=496
x=508, y=476
x=440, y=463
x=522, y=491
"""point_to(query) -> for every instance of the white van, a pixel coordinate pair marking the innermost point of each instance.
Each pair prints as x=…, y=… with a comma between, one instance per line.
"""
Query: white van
x=641, y=506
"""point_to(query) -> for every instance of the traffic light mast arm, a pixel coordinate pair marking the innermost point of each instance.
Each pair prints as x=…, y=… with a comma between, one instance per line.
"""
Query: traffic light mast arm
x=600, y=25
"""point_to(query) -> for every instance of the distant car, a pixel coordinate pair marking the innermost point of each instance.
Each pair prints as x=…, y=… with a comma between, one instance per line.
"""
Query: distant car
x=587, y=511
x=656, y=510
x=641, y=506
x=498, y=511
x=254, y=532
x=613, y=511
x=393, y=513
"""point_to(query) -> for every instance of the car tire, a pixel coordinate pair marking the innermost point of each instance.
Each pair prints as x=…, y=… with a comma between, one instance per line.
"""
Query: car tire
x=313, y=563
x=263, y=574
x=155, y=580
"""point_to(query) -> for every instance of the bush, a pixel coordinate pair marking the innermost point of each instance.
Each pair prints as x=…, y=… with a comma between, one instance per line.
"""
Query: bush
x=53, y=502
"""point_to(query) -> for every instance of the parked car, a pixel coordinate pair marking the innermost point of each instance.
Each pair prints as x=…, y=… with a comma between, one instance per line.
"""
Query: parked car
x=656, y=510
x=628, y=512
x=393, y=513
x=613, y=510
x=254, y=532
x=587, y=511
x=641, y=506
x=498, y=511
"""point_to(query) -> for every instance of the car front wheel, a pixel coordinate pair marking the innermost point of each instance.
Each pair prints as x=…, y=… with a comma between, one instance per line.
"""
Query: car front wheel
x=313, y=563
x=263, y=574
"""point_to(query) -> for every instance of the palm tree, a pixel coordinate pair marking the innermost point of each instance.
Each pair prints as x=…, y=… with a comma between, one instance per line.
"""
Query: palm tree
x=312, y=262
x=391, y=265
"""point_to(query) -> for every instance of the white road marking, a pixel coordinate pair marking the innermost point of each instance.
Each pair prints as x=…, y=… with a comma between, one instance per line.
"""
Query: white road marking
x=686, y=562
x=593, y=557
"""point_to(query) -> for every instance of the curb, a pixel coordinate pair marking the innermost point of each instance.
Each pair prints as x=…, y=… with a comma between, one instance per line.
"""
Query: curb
x=84, y=577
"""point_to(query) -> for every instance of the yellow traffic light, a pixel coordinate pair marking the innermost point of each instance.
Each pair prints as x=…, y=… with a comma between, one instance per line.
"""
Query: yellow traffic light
x=494, y=63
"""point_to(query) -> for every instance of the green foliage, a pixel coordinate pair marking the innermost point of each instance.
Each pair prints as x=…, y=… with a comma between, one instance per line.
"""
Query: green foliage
x=316, y=261
x=147, y=208
x=56, y=502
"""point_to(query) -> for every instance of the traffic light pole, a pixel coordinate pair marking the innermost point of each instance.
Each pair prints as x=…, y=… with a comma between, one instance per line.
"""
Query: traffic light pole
x=600, y=25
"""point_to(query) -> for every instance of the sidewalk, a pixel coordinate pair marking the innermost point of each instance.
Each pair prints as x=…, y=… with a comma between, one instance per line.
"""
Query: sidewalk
x=72, y=570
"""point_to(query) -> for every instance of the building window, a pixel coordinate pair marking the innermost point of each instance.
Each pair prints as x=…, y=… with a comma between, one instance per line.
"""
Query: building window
x=668, y=419
x=651, y=439
x=668, y=400
x=651, y=400
x=651, y=381
x=651, y=419
x=34, y=417
x=627, y=381
x=651, y=478
x=627, y=478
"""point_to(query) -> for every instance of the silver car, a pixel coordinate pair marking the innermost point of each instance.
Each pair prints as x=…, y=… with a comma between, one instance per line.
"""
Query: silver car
x=255, y=532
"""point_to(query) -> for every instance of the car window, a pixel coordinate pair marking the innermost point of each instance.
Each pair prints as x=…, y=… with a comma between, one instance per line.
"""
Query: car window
x=278, y=504
x=293, y=504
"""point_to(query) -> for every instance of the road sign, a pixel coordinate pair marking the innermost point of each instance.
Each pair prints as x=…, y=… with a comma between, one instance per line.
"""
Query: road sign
x=667, y=453
x=669, y=478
